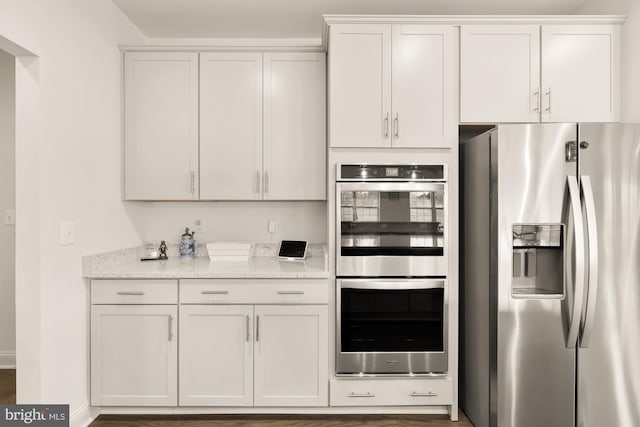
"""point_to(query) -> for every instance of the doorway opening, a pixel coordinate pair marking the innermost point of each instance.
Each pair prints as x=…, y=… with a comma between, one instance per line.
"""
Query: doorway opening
x=7, y=228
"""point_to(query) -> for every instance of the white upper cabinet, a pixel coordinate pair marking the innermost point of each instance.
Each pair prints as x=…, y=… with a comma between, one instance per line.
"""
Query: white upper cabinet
x=509, y=73
x=225, y=126
x=423, y=85
x=294, y=146
x=392, y=86
x=499, y=73
x=161, y=125
x=581, y=73
x=230, y=125
x=360, y=85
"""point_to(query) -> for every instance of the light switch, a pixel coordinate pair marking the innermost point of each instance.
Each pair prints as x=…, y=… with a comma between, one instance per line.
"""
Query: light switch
x=10, y=217
x=272, y=226
x=67, y=233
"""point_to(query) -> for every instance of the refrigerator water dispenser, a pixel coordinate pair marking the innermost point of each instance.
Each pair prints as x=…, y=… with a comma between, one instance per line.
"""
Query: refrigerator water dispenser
x=538, y=254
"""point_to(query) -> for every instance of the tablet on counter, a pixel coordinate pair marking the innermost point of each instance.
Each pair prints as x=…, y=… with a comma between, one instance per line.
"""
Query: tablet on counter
x=295, y=250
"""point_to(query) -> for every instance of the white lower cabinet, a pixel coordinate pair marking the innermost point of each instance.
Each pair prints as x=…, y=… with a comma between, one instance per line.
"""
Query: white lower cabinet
x=391, y=392
x=134, y=355
x=290, y=363
x=216, y=355
x=245, y=355
x=260, y=342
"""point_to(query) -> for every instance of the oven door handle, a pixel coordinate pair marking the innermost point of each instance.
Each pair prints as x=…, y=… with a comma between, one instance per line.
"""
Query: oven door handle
x=392, y=284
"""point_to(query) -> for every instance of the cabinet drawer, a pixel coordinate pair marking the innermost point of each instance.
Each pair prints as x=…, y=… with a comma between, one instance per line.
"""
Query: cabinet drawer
x=391, y=392
x=254, y=291
x=134, y=292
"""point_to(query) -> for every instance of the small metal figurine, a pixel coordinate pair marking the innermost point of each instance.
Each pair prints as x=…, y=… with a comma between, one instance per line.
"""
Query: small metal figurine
x=163, y=250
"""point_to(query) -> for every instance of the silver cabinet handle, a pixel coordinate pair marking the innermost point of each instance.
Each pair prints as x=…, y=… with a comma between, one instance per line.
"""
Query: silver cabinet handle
x=574, y=312
x=589, y=312
x=170, y=327
x=130, y=293
x=247, y=320
x=367, y=394
x=193, y=182
x=215, y=292
x=266, y=182
x=548, y=93
x=291, y=292
x=257, y=182
x=537, y=95
x=257, y=328
x=396, y=126
x=385, y=126
x=427, y=394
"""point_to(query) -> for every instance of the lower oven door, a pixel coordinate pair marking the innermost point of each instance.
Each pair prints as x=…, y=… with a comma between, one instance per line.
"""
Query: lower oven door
x=391, y=326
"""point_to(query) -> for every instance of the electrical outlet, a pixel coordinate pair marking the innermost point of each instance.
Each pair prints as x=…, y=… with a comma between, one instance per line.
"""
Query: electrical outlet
x=67, y=233
x=198, y=225
x=271, y=226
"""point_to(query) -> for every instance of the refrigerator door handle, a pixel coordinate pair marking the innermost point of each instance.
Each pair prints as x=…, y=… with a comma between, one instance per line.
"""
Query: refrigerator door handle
x=589, y=310
x=578, y=293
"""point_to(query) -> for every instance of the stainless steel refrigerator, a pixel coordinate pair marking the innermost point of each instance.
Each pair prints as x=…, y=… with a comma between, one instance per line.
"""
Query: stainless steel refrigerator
x=550, y=288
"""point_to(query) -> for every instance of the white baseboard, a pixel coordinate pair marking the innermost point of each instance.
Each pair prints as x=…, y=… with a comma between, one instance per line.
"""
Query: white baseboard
x=83, y=416
x=7, y=360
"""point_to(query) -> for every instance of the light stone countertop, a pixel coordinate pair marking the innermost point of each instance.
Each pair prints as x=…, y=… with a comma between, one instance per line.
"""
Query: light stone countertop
x=126, y=264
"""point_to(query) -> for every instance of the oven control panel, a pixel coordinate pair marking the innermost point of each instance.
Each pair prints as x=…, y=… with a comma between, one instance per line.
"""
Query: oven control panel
x=391, y=172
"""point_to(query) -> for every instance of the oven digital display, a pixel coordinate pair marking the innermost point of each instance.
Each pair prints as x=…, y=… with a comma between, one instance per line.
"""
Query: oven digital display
x=391, y=172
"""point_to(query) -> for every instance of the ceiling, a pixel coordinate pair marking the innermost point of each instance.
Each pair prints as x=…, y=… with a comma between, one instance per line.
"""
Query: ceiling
x=301, y=18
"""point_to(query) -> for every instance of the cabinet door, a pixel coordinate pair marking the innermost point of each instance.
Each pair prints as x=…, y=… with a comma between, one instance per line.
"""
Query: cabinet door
x=499, y=73
x=423, y=86
x=294, y=126
x=160, y=125
x=134, y=355
x=360, y=85
x=230, y=126
x=581, y=73
x=216, y=360
x=291, y=365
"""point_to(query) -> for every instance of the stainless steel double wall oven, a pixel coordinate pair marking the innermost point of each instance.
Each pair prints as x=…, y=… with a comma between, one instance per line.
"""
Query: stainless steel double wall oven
x=391, y=268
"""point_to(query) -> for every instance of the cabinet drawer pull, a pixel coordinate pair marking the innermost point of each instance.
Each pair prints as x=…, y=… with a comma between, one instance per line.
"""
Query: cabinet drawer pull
x=215, y=292
x=290, y=292
x=427, y=394
x=367, y=394
x=130, y=293
x=170, y=327
x=257, y=182
x=247, y=328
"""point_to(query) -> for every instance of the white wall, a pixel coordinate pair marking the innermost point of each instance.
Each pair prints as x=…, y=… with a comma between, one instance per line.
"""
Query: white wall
x=246, y=221
x=7, y=201
x=68, y=151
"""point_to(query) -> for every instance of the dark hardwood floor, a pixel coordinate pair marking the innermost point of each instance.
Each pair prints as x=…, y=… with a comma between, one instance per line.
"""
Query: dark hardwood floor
x=8, y=396
x=372, y=420
x=7, y=386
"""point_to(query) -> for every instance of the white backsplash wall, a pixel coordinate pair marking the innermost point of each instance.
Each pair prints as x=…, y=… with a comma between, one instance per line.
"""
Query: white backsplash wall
x=246, y=221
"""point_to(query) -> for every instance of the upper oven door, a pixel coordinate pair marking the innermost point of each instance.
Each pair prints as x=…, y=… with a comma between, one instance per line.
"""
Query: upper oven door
x=391, y=229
